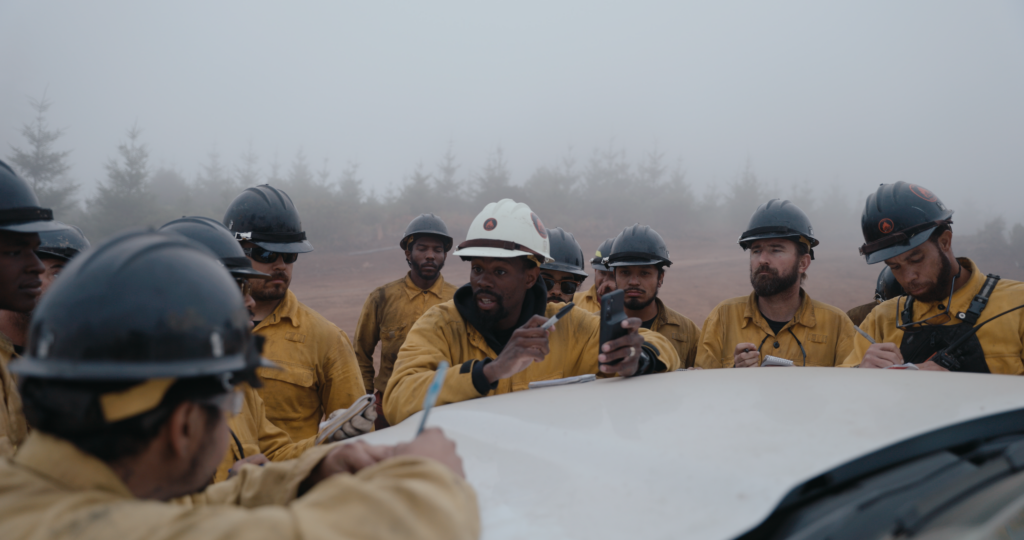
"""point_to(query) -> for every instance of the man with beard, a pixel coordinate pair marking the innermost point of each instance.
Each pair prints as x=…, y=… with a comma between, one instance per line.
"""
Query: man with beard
x=319, y=370
x=942, y=324
x=779, y=318
x=491, y=331
x=130, y=372
x=56, y=249
x=638, y=258
x=563, y=275
x=21, y=221
x=391, y=310
x=604, y=280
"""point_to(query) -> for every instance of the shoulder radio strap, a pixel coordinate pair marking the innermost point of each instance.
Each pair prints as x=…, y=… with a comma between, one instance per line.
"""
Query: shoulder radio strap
x=980, y=301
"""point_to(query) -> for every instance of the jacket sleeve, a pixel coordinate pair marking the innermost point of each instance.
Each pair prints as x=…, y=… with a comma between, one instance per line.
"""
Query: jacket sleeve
x=859, y=346
x=367, y=337
x=588, y=336
x=847, y=337
x=710, y=347
x=693, y=344
x=426, y=346
x=342, y=384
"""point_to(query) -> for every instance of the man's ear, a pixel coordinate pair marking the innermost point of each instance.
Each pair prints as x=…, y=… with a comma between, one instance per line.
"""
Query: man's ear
x=532, y=275
x=186, y=428
x=945, y=242
x=661, y=277
x=805, y=262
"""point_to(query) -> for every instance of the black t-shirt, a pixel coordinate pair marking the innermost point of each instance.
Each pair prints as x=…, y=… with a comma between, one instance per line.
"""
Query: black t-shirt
x=776, y=326
x=503, y=337
x=649, y=323
x=19, y=350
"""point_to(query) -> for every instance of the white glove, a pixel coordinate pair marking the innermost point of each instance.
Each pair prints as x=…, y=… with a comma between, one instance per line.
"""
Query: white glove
x=358, y=425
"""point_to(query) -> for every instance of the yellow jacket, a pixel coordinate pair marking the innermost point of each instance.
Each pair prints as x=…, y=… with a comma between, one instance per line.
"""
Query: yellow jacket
x=442, y=334
x=587, y=300
x=1001, y=340
x=825, y=332
x=681, y=331
x=52, y=490
x=388, y=314
x=320, y=372
x=258, y=435
x=13, y=428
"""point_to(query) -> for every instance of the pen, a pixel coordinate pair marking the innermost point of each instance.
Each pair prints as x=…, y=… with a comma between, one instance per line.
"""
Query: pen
x=561, y=313
x=432, y=393
x=865, y=334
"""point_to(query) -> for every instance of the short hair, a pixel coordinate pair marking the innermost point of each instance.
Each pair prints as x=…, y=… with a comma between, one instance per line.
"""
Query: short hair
x=71, y=411
x=937, y=232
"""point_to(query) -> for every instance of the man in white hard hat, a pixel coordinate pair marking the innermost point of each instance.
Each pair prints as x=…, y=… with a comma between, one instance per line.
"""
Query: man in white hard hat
x=491, y=334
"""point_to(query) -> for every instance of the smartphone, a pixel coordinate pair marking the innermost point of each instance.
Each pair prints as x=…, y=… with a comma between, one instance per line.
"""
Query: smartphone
x=613, y=312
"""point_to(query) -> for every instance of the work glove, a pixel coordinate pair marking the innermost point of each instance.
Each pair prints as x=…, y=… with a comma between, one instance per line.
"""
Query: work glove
x=358, y=425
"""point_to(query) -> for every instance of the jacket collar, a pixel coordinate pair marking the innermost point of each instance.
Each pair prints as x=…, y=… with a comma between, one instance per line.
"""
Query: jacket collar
x=535, y=303
x=64, y=464
x=804, y=314
x=287, y=309
x=662, y=318
x=411, y=290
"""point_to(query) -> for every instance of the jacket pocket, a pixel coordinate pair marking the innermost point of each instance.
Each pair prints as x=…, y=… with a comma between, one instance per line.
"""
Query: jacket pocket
x=291, y=375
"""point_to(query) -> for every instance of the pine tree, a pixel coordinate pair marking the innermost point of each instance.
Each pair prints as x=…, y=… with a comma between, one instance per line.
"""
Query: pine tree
x=446, y=186
x=42, y=165
x=124, y=199
x=248, y=175
x=352, y=194
x=494, y=182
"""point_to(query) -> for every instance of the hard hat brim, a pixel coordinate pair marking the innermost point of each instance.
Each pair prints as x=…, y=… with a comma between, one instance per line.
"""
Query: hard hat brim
x=601, y=267
x=746, y=240
x=495, y=253
x=29, y=227
x=649, y=262
x=449, y=241
x=286, y=247
x=247, y=273
x=562, y=267
x=126, y=371
x=899, y=249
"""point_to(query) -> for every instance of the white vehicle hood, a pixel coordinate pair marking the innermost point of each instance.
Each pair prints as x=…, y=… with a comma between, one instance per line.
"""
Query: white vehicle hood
x=698, y=454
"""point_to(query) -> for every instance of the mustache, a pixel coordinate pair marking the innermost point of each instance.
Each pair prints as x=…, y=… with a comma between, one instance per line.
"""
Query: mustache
x=277, y=275
x=634, y=289
x=498, y=299
x=764, y=269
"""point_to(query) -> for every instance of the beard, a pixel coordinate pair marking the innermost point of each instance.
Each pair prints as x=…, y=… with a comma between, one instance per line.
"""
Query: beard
x=940, y=290
x=261, y=292
x=768, y=282
x=430, y=273
x=489, y=319
x=636, y=304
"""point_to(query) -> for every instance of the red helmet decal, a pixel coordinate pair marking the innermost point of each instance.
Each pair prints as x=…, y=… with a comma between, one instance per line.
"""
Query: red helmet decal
x=886, y=226
x=924, y=193
x=538, y=225
x=490, y=224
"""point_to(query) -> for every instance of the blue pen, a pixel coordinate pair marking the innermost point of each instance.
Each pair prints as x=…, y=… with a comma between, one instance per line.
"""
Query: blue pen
x=432, y=393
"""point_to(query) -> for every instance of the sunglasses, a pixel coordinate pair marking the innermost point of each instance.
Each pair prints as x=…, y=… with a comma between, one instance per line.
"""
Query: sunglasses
x=244, y=285
x=567, y=287
x=261, y=255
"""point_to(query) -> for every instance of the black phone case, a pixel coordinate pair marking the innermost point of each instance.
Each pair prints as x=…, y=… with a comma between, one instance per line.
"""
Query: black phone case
x=613, y=312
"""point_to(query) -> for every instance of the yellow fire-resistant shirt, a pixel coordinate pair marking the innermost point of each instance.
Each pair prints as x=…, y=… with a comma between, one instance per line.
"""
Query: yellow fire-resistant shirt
x=258, y=435
x=320, y=372
x=13, y=428
x=1001, y=340
x=442, y=334
x=52, y=490
x=681, y=331
x=388, y=314
x=825, y=332
x=587, y=300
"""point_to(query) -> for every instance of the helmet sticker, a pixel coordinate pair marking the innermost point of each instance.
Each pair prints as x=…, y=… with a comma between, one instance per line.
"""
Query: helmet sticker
x=490, y=224
x=538, y=225
x=924, y=193
x=886, y=226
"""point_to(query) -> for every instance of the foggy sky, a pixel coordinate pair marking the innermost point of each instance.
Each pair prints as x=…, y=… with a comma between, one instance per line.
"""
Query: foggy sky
x=869, y=92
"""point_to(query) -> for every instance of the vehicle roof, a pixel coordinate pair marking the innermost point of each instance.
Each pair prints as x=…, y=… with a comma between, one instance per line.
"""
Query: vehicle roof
x=698, y=454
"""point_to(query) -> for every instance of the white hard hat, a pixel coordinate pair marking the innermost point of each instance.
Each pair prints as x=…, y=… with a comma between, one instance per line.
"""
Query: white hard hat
x=506, y=229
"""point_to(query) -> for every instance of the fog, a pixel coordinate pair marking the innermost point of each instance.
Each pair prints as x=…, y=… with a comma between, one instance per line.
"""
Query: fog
x=804, y=95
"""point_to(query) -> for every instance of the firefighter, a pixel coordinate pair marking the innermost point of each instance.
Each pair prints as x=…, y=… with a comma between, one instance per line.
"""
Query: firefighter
x=886, y=287
x=21, y=221
x=563, y=275
x=319, y=370
x=391, y=310
x=604, y=280
x=778, y=318
x=56, y=249
x=638, y=258
x=132, y=365
x=491, y=334
x=942, y=325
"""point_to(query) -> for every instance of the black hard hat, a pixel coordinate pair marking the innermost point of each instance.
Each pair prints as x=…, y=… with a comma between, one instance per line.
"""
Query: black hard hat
x=64, y=244
x=638, y=245
x=221, y=242
x=266, y=216
x=19, y=208
x=899, y=217
x=779, y=218
x=566, y=252
x=604, y=250
x=142, y=305
x=887, y=286
x=427, y=224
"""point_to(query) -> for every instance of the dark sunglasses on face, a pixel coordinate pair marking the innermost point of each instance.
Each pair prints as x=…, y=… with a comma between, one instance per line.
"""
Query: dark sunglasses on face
x=245, y=286
x=261, y=255
x=567, y=287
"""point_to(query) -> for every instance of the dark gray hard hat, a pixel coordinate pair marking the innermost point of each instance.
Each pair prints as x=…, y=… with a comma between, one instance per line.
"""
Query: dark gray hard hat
x=221, y=242
x=566, y=252
x=887, y=286
x=425, y=224
x=899, y=217
x=142, y=305
x=604, y=250
x=266, y=216
x=638, y=245
x=19, y=208
x=779, y=218
x=64, y=244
